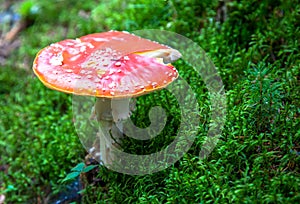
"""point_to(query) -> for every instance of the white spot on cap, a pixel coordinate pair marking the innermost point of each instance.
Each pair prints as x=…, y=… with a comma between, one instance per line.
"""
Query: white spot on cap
x=100, y=39
x=73, y=51
x=118, y=64
x=57, y=60
x=90, y=45
x=112, y=85
x=74, y=58
x=116, y=38
x=126, y=58
x=68, y=43
x=82, y=49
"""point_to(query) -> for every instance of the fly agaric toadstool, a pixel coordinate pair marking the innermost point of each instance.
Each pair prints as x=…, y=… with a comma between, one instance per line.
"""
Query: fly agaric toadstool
x=109, y=65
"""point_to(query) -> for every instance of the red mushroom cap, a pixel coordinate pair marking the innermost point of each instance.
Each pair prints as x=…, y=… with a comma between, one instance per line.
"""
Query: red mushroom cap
x=109, y=64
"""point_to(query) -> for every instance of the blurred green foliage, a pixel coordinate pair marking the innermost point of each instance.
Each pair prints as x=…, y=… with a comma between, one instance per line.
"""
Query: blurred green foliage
x=255, y=47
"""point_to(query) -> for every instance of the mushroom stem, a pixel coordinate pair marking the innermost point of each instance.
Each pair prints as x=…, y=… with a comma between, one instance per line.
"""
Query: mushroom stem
x=105, y=141
x=110, y=113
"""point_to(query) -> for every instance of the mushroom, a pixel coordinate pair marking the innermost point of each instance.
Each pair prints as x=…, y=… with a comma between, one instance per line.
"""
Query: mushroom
x=110, y=65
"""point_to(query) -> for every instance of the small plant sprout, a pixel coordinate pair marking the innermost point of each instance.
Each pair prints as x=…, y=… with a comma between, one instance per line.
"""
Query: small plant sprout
x=112, y=65
x=77, y=170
